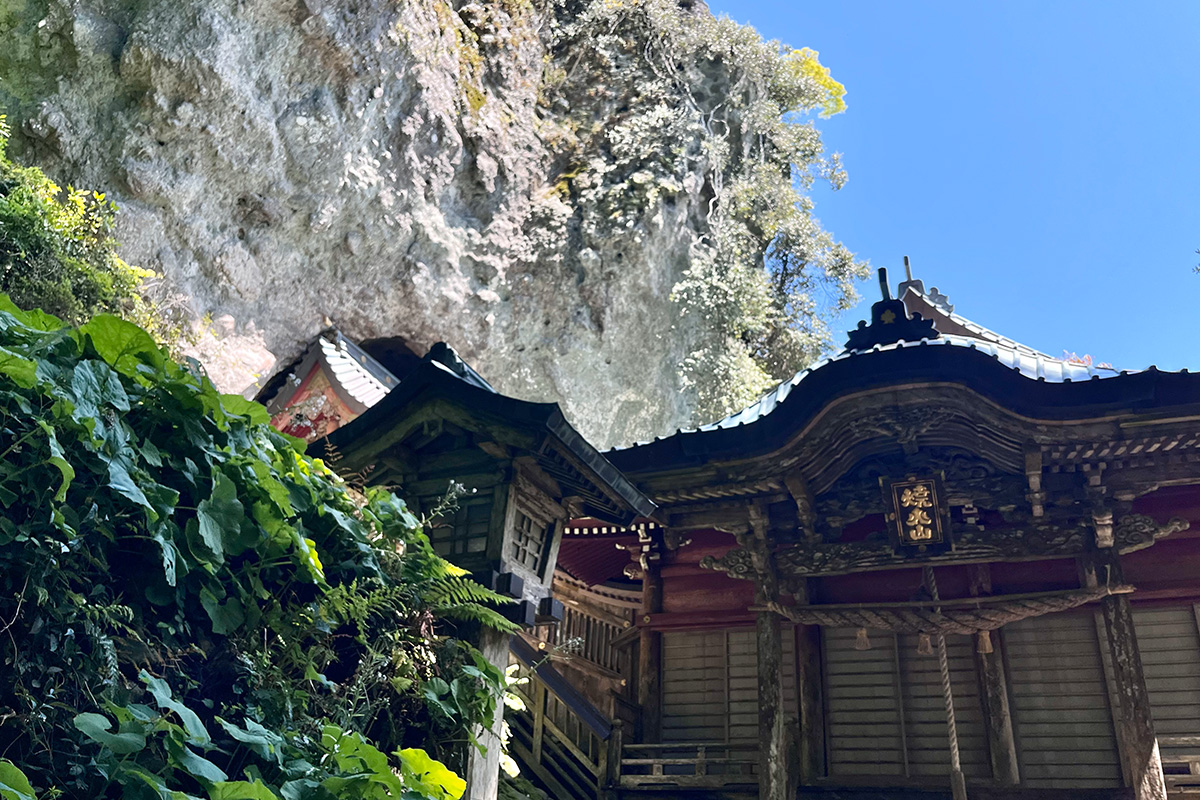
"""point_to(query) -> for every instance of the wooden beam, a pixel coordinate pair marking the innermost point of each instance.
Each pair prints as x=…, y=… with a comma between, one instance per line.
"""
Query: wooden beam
x=811, y=744
x=993, y=694
x=650, y=655
x=1135, y=727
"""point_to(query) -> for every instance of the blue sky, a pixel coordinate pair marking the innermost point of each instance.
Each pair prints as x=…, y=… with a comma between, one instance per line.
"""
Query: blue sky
x=1038, y=161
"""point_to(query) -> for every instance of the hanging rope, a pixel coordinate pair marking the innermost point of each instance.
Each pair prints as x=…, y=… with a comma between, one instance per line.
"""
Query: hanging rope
x=950, y=617
x=957, y=781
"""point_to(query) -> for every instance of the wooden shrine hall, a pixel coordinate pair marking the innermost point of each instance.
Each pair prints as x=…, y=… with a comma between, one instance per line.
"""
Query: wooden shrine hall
x=939, y=564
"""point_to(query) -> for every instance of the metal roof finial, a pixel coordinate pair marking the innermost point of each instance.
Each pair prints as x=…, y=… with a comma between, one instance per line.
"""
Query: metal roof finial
x=907, y=268
x=883, y=284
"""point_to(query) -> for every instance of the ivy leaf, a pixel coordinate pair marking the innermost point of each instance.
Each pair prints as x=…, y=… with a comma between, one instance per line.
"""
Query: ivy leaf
x=299, y=789
x=96, y=727
x=58, y=459
x=22, y=371
x=122, y=344
x=34, y=318
x=196, y=765
x=120, y=479
x=430, y=775
x=226, y=617
x=13, y=783
x=265, y=743
x=96, y=386
x=161, y=691
x=241, y=790
x=239, y=406
x=219, y=514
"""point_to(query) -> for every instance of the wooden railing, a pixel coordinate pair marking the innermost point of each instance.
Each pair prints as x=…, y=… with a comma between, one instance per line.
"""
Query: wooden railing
x=572, y=749
x=700, y=765
x=1181, y=770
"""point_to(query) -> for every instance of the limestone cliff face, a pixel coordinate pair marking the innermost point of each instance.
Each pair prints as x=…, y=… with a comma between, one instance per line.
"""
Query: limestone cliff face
x=389, y=164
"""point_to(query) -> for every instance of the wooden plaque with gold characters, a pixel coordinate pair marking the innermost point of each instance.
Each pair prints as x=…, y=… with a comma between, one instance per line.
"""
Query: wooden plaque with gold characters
x=920, y=520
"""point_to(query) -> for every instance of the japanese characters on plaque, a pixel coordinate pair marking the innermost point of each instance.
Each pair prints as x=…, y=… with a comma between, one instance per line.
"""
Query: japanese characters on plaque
x=919, y=523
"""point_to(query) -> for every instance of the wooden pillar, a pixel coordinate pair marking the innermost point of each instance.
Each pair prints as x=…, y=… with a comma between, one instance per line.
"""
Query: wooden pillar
x=811, y=744
x=1135, y=728
x=609, y=782
x=993, y=694
x=774, y=756
x=650, y=653
x=483, y=769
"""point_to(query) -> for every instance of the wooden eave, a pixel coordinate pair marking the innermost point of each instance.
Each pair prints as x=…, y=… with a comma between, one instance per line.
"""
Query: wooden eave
x=432, y=392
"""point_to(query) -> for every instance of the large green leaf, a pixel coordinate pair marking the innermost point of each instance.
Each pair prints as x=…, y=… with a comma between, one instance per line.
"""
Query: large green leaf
x=58, y=460
x=122, y=344
x=197, y=765
x=240, y=406
x=220, y=515
x=266, y=743
x=96, y=727
x=22, y=371
x=226, y=617
x=120, y=478
x=241, y=790
x=95, y=386
x=161, y=691
x=13, y=783
x=429, y=775
x=34, y=318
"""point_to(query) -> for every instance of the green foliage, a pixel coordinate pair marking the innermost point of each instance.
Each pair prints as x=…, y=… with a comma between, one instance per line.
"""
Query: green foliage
x=192, y=607
x=701, y=112
x=57, y=250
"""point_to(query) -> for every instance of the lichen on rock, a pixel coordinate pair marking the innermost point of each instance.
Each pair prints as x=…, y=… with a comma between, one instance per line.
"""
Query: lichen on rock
x=594, y=201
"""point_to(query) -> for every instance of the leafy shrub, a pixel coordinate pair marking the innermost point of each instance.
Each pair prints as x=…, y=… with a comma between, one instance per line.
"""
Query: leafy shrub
x=190, y=606
x=57, y=252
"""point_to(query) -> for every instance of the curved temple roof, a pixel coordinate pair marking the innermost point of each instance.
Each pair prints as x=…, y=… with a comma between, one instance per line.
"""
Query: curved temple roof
x=951, y=352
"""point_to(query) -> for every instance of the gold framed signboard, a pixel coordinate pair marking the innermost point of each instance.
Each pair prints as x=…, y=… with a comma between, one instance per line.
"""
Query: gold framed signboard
x=919, y=520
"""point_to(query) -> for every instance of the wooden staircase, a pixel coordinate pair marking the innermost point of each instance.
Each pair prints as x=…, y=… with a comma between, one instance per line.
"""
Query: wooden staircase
x=561, y=741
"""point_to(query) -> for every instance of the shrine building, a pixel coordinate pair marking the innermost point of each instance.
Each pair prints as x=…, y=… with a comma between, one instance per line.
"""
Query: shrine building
x=938, y=564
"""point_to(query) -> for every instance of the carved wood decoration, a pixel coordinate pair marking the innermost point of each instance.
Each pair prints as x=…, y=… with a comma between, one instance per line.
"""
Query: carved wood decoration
x=964, y=617
x=1033, y=542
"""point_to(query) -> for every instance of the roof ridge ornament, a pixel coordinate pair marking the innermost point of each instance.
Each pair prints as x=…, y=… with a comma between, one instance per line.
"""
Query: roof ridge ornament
x=935, y=298
x=890, y=322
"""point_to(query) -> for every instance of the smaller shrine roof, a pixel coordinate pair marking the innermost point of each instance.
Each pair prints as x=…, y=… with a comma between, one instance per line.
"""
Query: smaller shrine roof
x=363, y=378
x=564, y=453
x=359, y=379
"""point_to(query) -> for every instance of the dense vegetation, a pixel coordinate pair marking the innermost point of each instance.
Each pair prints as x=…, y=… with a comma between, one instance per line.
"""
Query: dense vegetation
x=57, y=252
x=675, y=105
x=191, y=607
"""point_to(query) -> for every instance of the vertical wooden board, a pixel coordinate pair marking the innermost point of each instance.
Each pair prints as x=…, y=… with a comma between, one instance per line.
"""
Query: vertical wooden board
x=1060, y=706
x=743, y=685
x=863, y=708
x=694, y=686
x=710, y=684
x=1170, y=648
x=925, y=710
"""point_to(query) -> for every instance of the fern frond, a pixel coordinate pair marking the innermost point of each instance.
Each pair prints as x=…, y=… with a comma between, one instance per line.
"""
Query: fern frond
x=473, y=612
x=457, y=590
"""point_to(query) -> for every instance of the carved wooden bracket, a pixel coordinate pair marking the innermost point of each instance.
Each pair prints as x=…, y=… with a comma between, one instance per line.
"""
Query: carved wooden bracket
x=1132, y=532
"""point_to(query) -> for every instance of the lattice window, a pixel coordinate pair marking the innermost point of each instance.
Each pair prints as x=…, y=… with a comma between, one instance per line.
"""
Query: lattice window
x=529, y=542
x=463, y=531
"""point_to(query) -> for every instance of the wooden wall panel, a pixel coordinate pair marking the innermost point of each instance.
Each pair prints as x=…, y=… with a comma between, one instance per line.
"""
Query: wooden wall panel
x=925, y=710
x=1060, y=704
x=863, y=719
x=710, y=684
